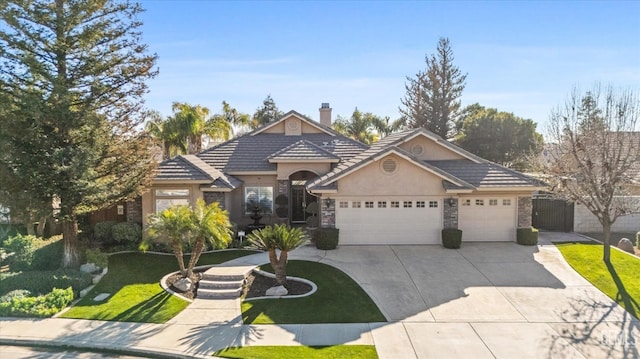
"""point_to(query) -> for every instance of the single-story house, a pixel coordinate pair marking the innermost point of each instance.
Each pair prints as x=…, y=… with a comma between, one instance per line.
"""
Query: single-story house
x=403, y=189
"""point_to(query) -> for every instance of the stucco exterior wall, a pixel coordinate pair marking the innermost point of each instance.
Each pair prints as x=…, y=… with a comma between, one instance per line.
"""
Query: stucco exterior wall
x=430, y=150
x=408, y=179
x=148, y=198
x=585, y=221
x=287, y=169
x=236, y=199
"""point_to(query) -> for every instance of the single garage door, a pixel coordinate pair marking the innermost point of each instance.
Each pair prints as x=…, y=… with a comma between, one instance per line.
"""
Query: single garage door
x=488, y=218
x=389, y=220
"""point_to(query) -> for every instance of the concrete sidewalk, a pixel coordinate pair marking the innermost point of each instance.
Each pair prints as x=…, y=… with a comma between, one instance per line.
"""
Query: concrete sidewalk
x=493, y=300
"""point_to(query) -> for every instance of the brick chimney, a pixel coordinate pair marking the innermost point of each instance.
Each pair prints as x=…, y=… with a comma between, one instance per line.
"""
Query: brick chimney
x=325, y=114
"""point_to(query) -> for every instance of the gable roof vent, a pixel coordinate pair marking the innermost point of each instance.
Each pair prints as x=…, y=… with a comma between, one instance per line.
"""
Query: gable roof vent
x=389, y=165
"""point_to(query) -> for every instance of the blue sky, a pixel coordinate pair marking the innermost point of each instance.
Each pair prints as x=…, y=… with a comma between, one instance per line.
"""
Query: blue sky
x=521, y=56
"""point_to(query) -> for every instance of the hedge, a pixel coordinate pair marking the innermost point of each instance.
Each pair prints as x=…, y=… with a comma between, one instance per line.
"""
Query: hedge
x=527, y=236
x=451, y=238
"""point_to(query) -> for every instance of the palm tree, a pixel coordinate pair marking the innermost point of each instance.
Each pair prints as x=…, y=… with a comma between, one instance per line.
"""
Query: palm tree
x=360, y=126
x=172, y=224
x=189, y=122
x=278, y=237
x=208, y=223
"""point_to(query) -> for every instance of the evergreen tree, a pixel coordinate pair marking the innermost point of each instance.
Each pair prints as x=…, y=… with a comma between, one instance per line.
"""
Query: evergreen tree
x=72, y=77
x=266, y=113
x=500, y=137
x=432, y=97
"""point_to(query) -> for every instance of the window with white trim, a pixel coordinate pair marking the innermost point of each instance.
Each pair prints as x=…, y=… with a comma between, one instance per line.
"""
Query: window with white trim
x=395, y=204
x=407, y=204
x=493, y=202
x=466, y=202
x=165, y=198
x=344, y=204
x=420, y=204
x=479, y=202
x=433, y=204
x=368, y=204
x=258, y=197
x=506, y=202
x=382, y=204
x=356, y=204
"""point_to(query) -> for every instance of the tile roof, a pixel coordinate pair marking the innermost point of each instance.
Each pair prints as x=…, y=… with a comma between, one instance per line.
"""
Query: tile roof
x=250, y=153
x=305, y=151
x=485, y=174
x=180, y=169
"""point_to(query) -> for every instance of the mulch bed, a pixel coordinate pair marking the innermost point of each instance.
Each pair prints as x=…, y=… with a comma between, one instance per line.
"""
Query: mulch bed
x=255, y=286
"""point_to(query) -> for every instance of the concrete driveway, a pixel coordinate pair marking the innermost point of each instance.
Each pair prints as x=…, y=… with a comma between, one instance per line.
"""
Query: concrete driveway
x=494, y=300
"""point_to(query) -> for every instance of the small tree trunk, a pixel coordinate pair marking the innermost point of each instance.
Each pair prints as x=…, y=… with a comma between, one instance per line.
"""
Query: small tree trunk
x=70, y=258
x=606, y=231
x=30, y=222
x=195, y=255
x=281, y=268
x=177, y=251
x=41, y=225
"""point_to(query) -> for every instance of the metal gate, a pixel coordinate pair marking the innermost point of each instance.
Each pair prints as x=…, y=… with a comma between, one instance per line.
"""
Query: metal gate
x=552, y=214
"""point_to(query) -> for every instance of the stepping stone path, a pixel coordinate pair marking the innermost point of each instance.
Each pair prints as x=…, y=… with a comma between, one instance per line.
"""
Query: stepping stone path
x=100, y=297
x=223, y=282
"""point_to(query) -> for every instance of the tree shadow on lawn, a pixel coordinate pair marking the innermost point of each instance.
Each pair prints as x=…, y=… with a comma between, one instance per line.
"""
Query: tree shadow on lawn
x=145, y=311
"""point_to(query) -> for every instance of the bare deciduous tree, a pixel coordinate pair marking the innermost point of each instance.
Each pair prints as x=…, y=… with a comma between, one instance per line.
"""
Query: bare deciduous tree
x=595, y=158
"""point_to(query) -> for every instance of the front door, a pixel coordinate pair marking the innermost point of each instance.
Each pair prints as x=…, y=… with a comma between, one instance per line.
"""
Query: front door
x=298, y=204
x=300, y=199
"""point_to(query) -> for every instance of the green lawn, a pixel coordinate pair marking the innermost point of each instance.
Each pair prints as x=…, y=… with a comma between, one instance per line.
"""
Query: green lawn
x=270, y=352
x=338, y=300
x=619, y=280
x=133, y=281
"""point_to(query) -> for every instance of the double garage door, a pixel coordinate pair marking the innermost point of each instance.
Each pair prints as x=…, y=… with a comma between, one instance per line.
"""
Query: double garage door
x=389, y=220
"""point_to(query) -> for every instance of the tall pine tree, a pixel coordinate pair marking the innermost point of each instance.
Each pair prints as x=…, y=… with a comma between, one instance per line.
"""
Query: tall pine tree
x=432, y=97
x=72, y=77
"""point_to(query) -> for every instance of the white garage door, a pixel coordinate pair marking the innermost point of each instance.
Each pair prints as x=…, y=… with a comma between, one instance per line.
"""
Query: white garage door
x=488, y=218
x=389, y=220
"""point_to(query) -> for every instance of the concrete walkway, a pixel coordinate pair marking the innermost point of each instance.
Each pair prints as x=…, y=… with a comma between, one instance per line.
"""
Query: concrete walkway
x=494, y=300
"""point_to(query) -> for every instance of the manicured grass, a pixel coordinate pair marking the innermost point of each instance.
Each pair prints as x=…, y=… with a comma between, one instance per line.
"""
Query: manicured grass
x=339, y=299
x=270, y=352
x=619, y=280
x=133, y=281
x=615, y=238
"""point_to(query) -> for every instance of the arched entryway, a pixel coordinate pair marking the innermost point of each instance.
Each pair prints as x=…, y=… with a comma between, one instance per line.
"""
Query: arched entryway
x=299, y=197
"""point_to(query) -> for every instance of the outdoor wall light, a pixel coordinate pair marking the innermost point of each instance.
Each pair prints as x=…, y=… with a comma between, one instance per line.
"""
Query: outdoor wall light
x=328, y=201
x=450, y=201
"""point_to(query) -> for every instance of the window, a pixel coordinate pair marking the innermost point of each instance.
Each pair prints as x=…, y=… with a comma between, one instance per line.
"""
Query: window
x=433, y=204
x=344, y=204
x=419, y=204
x=382, y=204
x=479, y=202
x=466, y=202
x=368, y=204
x=407, y=204
x=395, y=204
x=166, y=198
x=260, y=197
x=493, y=202
x=506, y=202
x=356, y=204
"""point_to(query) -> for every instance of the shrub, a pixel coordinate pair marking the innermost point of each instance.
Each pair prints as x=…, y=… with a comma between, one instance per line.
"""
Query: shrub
x=451, y=238
x=48, y=255
x=126, y=233
x=102, y=231
x=18, y=293
x=41, y=282
x=527, y=236
x=23, y=248
x=8, y=230
x=326, y=238
x=97, y=257
x=638, y=239
x=40, y=307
